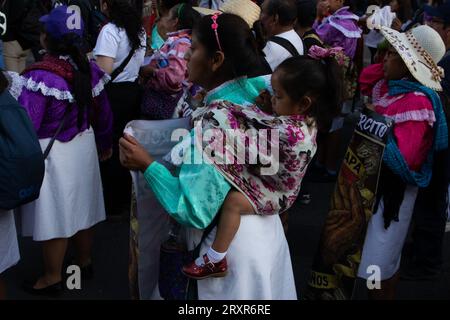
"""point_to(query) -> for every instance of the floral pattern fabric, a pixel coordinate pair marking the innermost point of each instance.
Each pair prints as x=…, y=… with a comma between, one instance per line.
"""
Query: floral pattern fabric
x=272, y=182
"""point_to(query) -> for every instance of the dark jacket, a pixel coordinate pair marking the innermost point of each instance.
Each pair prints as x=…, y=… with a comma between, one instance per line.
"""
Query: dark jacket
x=22, y=21
x=92, y=18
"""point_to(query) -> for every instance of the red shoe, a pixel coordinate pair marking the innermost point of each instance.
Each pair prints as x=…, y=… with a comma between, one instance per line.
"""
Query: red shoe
x=206, y=270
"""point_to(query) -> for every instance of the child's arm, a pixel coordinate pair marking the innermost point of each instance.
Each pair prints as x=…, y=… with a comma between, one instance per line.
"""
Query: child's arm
x=235, y=205
x=263, y=101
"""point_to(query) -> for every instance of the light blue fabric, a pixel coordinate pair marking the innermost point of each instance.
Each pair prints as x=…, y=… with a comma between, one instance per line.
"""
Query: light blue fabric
x=392, y=156
x=194, y=197
x=157, y=41
x=240, y=91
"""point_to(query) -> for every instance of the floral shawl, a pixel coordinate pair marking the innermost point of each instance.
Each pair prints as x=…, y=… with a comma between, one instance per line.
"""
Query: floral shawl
x=271, y=183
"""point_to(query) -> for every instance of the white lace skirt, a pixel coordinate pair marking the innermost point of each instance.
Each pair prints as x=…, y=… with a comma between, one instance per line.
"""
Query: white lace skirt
x=71, y=196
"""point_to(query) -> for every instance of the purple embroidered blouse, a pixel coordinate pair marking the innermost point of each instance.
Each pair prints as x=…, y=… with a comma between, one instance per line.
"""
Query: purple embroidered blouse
x=340, y=30
x=46, y=96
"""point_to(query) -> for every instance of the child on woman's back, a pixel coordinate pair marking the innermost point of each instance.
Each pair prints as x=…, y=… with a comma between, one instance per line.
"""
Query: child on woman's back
x=303, y=89
x=166, y=72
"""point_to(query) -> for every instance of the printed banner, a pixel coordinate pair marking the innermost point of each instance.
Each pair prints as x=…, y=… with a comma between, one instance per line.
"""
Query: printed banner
x=336, y=263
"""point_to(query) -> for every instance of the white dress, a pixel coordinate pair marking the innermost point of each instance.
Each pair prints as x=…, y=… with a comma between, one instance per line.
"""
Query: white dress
x=71, y=197
x=9, y=249
x=259, y=263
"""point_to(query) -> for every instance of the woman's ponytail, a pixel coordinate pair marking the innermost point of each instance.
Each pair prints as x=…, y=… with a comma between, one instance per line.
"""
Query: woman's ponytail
x=335, y=83
x=318, y=77
x=72, y=45
x=82, y=85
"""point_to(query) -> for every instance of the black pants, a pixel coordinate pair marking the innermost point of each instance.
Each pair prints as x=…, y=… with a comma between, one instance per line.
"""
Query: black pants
x=125, y=99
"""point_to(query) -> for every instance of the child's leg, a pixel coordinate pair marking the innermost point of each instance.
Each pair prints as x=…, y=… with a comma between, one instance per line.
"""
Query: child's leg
x=235, y=204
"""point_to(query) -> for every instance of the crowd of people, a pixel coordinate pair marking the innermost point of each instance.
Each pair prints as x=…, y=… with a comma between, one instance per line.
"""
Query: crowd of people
x=83, y=69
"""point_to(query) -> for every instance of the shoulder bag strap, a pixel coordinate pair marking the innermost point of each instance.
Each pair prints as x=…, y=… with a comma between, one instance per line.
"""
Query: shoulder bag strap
x=122, y=66
x=286, y=44
x=61, y=125
x=313, y=36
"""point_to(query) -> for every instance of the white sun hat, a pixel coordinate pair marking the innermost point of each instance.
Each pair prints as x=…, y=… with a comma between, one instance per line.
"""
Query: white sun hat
x=421, y=48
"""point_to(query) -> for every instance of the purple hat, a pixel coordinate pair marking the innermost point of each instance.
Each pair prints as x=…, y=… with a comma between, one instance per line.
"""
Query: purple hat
x=63, y=20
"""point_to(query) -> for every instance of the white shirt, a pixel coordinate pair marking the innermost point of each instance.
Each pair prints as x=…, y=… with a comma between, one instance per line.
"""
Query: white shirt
x=113, y=42
x=276, y=54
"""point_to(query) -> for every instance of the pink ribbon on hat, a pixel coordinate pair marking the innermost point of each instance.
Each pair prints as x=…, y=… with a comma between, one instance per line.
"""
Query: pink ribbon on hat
x=319, y=53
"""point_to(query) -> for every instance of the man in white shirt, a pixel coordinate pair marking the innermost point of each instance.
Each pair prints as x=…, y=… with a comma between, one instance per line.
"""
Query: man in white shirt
x=278, y=19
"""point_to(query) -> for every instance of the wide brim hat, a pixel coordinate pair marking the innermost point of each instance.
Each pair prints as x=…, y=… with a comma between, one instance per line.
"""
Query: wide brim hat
x=206, y=11
x=421, y=48
x=246, y=9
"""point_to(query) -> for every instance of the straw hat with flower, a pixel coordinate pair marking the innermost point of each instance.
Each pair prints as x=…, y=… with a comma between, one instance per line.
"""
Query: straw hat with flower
x=421, y=48
x=246, y=9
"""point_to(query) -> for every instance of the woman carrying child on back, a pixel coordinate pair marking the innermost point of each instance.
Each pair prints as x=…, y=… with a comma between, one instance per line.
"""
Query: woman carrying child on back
x=403, y=88
x=256, y=248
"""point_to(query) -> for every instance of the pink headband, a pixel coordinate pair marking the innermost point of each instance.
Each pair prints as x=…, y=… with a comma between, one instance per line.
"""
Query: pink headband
x=319, y=53
x=215, y=26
